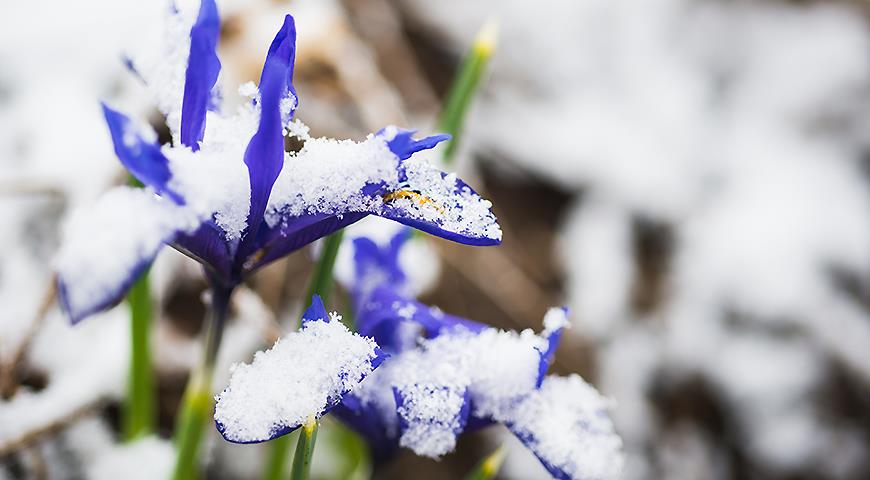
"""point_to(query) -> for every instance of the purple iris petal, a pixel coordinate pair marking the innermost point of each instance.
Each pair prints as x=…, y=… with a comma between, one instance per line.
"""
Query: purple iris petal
x=207, y=245
x=203, y=67
x=461, y=417
x=389, y=318
x=530, y=441
x=390, y=211
x=142, y=158
x=294, y=233
x=372, y=260
x=404, y=145
x=316, y=311
x=367, y=421
x=107, y=299
x=264, y=155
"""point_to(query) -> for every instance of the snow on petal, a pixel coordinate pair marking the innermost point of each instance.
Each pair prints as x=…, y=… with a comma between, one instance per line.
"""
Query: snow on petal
x=567, y=426
x=441, y=204
x=108, y=245
x=457, y=374
x=339, y=176
x=329, y=176
x=304, y=374
x=430, y=386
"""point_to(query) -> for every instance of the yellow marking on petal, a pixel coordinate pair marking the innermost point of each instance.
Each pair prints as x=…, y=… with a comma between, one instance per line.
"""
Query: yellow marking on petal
x=414, y=197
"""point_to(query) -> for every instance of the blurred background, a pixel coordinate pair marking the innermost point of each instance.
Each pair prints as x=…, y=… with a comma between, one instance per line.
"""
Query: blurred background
x=689, y=176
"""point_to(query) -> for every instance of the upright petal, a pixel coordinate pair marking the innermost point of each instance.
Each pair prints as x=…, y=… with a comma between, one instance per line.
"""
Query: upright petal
x=265, y=153
x=108, y=246
x=201, y=75
x=137, y=149
x=316, y=312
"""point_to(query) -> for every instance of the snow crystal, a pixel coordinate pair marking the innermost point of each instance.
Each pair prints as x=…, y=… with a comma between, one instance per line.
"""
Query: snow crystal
x=106, y=243
x=300, y=376
x=567, y=423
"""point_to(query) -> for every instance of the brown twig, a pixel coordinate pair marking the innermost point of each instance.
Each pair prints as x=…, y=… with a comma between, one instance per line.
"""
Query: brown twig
x=9, y=372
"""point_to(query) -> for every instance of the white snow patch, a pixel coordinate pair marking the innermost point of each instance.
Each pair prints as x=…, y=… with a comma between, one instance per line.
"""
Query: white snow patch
x=302, y=374
x=568, y=420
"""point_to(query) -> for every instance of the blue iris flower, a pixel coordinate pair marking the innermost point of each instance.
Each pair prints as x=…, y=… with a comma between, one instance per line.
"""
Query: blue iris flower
x=397, y=323
x=86, y=288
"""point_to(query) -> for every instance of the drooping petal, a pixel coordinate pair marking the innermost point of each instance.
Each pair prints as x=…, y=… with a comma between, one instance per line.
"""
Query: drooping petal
x=402, y=143
x=137, y=149
x=431, y=416
x=108, y=246
x=264, y=155
x=208, y=246
x=442, y=205
x=201, y=75
x=305, y=374
x=293, y=233
x=566, y=425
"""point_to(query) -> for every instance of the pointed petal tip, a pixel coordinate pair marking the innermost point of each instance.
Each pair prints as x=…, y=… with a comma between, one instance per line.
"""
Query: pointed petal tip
x=316, y=311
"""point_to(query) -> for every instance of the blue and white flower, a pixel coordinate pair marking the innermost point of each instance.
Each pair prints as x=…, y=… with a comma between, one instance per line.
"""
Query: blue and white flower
x=227, y=194
x=449, y=375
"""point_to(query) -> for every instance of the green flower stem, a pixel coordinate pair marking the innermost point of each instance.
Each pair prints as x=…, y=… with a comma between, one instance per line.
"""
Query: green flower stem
x=488, y=467
x=198, y=403
x=304, y=450
x=139, y=408
x=465, y=86
x=320, y=284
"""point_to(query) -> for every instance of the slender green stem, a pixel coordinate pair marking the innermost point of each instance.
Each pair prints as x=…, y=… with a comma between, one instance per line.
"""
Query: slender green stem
x=320, y=284
x=197, y=403
x=139, y=409
x=489, y=466
x=465, y=86
x=304, y=450
x=321, y=280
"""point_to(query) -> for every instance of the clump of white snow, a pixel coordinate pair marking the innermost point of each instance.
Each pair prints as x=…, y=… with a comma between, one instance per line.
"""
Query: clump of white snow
x=103, y=245
x=493, y=368
x=328, y=176
x=302, y=375
x=569, y=428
